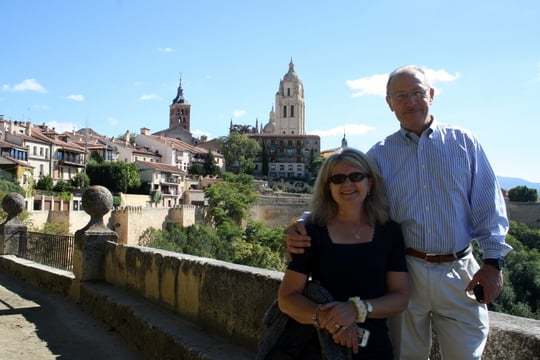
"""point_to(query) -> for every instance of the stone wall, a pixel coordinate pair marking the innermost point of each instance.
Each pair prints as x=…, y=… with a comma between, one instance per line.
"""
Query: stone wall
x=223, y=298
x=526, y=213
x=278, y=211
x=76, y=219
x=131, y=221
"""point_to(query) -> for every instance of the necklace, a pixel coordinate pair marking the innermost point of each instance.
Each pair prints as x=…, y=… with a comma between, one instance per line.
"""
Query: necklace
x=358, y=235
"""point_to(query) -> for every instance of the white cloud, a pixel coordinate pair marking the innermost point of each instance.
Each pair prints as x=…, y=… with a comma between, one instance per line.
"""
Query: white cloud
x=199, y=132
x=25, y=85
x=149, y=97
x=347, y=129
x=376, y=84
x=113, y=121
x=75, y=97
x=166, y=50
x=441, y=76
x=370, y=85
x=239, y=113
x=61, y=127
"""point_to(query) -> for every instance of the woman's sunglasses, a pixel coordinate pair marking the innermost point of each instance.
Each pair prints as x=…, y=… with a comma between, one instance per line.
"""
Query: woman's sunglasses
x=341, y=178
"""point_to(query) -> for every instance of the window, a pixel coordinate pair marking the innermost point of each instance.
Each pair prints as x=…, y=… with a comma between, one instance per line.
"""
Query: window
x=288, y=91
x=284, y=111
x=292, y=110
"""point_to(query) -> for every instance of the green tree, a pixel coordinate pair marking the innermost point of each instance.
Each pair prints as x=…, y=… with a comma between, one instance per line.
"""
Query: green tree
x=81, y=180
x=45, y=183
x=95, y=157
x=7, y=186
x=239, y=152
x=521, y=291
x=115, y=176
x=530, y=238
x=62, y=187
x=196, y=169
x=523, y=193
x=241, y=129
x=131, y=140
x=231, y=198
x=209, y=165
x=156, y=196
x=315, y=163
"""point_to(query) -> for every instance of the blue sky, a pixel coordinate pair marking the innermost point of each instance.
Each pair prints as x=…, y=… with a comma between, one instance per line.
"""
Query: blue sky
x=114, y=65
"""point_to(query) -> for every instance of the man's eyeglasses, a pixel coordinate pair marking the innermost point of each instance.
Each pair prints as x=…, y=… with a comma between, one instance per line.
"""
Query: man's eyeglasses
x=402, y=96
x=341, y=178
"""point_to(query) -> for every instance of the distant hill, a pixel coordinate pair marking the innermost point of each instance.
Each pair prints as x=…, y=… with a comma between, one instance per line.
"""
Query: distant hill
x=508, y=183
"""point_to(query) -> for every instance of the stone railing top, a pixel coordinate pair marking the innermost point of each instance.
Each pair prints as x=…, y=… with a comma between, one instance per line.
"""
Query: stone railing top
x=13, y=205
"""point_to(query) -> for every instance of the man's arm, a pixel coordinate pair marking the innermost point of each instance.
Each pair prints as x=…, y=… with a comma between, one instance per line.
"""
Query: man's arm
x=296, y=236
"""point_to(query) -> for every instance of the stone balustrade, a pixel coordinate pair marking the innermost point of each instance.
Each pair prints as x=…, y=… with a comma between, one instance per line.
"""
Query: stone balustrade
x=170, y=305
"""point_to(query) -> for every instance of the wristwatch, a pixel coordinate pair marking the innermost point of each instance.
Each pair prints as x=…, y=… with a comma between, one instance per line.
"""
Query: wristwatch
x=497, y=263
x=369, y=307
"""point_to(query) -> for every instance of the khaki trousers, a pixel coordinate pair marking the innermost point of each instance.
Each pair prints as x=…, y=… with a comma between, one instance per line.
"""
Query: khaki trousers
x=439, y=303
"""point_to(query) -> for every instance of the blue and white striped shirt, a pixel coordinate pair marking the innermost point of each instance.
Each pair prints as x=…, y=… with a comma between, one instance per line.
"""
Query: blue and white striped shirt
x=442, y=190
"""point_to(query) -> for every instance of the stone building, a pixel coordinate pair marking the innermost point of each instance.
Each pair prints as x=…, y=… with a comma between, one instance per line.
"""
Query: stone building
x=287, y=149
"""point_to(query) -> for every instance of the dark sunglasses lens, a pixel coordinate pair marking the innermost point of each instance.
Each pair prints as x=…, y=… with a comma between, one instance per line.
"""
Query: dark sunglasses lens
x=338, y=178
x=341, y=178
x=357, y=177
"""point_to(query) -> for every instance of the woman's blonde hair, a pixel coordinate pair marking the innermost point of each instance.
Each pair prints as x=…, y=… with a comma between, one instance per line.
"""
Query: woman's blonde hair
x=323, y=207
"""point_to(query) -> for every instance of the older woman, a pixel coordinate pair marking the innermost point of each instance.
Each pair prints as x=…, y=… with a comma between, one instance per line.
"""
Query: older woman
x=357, y=254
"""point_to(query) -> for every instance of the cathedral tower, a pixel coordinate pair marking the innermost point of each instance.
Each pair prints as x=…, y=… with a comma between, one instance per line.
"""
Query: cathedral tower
x=288, y=117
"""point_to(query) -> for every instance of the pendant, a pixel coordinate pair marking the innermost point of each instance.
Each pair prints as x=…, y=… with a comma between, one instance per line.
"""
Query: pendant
x=357, y=236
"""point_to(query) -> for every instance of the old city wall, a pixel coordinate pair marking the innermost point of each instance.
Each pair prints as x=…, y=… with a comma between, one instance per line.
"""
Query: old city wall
x=278, y=211
x=526, y=213
x=131, y=221
x=76, y=219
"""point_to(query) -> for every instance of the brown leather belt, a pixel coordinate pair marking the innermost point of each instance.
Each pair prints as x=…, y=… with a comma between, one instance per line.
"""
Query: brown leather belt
x=437, y=259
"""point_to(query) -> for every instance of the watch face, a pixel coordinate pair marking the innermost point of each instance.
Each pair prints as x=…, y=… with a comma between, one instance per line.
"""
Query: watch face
x=369, y=307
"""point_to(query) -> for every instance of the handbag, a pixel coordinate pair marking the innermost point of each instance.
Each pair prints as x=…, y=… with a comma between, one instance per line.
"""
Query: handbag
x=285, y=338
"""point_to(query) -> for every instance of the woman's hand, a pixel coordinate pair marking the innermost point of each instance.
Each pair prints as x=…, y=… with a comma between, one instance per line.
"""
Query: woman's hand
x=346, y=336
x=338, y=314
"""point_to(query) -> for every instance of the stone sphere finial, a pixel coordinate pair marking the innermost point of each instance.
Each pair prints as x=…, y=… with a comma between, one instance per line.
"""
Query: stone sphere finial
x=13, y=204
x=97, y=201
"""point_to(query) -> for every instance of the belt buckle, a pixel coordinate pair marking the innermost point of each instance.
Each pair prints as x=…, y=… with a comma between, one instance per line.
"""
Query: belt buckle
x=428, y=256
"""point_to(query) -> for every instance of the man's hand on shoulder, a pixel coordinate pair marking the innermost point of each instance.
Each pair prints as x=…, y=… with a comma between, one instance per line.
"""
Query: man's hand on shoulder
x=297, y=238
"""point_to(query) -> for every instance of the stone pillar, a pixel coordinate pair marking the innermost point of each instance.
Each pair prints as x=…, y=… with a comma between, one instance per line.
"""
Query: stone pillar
x=89, y=252
x=13, y=233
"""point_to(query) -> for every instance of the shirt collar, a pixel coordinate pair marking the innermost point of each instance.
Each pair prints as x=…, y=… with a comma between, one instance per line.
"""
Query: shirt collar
x=410, y=136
